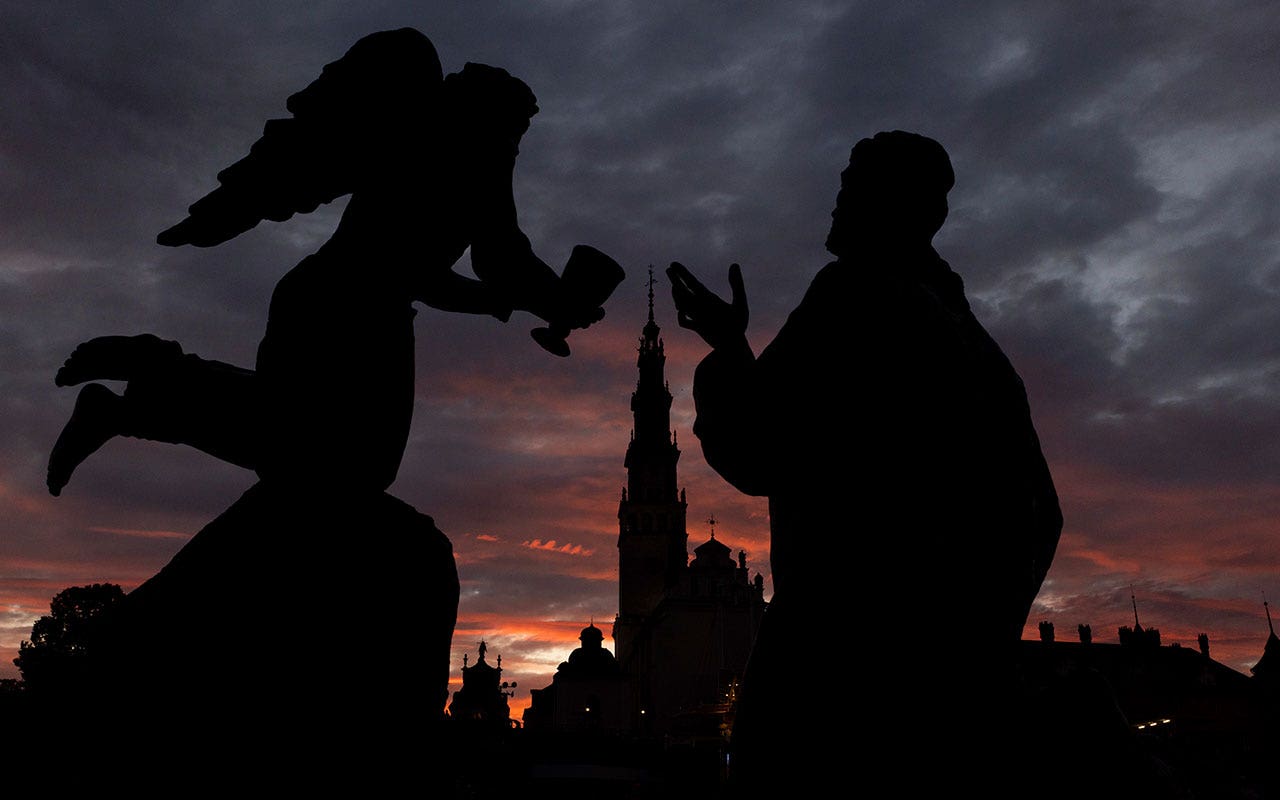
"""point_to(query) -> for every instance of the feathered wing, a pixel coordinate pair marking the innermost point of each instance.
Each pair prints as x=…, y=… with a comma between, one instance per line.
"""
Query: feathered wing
x=371, y=101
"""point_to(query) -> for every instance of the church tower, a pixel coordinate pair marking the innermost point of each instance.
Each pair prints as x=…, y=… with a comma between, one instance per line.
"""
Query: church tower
x=684, y=629
x=652, y=541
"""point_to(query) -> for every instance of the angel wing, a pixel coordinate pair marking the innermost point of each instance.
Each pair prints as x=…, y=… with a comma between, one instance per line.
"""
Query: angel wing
x=377, y=96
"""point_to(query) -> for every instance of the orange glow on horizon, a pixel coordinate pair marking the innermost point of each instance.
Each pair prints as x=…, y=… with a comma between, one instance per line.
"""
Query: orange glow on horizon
x=1121, y=525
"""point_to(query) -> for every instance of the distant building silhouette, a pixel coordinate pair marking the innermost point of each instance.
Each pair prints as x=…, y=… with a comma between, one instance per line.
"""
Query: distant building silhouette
x=1151, y=683
x=1266, y=675
x=1046, y=631
x=1161, y=721
x=1268, y=667
x=1137, y=635
x=684, y=629
x=483, y=696
x=588, y=692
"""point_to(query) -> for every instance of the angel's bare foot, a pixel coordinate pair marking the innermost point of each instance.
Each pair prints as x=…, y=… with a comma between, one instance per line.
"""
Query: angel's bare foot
x=115, y=358
x=95, y=420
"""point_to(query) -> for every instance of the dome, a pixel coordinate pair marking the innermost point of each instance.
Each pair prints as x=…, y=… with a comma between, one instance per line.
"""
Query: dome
x=712, y=553
x=591, y=636
x=591, y=658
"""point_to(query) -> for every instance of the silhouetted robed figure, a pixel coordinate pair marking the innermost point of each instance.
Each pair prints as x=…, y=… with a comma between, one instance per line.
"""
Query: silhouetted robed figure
x=318, y=604
x=913, y=515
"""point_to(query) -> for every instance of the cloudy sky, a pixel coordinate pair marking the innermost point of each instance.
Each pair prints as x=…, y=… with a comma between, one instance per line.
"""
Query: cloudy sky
x=1116, y=218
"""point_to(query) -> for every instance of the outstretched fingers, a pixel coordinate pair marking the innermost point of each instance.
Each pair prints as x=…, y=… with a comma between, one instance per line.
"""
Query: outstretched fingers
x=739, y=291
x=685, y=293
x=682, y=279
x=719, y=322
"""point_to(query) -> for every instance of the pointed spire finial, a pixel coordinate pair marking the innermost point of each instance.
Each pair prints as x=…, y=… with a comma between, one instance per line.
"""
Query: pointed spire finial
x=651, y=283
x=1267, y=609
x=712, y=522
x=1134, y=599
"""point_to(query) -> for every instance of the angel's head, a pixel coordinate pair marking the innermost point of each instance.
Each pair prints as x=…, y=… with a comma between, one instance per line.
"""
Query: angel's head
x=487, y=101
x=388, y=74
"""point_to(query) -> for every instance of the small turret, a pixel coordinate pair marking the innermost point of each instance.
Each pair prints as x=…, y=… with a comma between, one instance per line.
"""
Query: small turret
x=1046, y=631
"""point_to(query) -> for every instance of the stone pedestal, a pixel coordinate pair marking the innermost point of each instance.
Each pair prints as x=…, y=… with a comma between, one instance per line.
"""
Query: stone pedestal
x=301, y=637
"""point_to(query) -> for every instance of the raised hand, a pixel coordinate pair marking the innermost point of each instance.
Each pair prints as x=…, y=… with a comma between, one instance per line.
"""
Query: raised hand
x=720, y=324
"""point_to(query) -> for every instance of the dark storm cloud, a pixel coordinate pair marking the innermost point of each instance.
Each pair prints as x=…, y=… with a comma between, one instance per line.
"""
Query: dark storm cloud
x=1184, y=383
x=1059, y=340
x=1221, y=281
x=1151, y=357
x=674, y=147
x=102, y=110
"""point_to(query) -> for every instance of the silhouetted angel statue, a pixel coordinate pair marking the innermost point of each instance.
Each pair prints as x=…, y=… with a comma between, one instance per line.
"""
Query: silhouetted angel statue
x=428, y=162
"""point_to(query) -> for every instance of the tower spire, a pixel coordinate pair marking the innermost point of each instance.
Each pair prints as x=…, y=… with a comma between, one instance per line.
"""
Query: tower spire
x=649, y=339
x=651, y=283
x=1134, y=599
x=652, y=539
x=1267, y=609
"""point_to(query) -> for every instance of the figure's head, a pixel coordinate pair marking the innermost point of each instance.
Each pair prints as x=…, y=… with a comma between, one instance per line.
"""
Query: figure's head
x=893, y=191
x=489, y=100
x=384, y=75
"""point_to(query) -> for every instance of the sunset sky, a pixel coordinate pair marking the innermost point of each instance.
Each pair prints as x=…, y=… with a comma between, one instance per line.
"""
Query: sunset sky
x=1116, y=219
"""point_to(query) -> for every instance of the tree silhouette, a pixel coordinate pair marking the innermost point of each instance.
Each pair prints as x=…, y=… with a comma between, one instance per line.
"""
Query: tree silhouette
x=61, y=641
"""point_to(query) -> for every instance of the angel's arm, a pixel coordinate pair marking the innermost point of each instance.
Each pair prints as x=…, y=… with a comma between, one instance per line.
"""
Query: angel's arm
x=449, y=291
